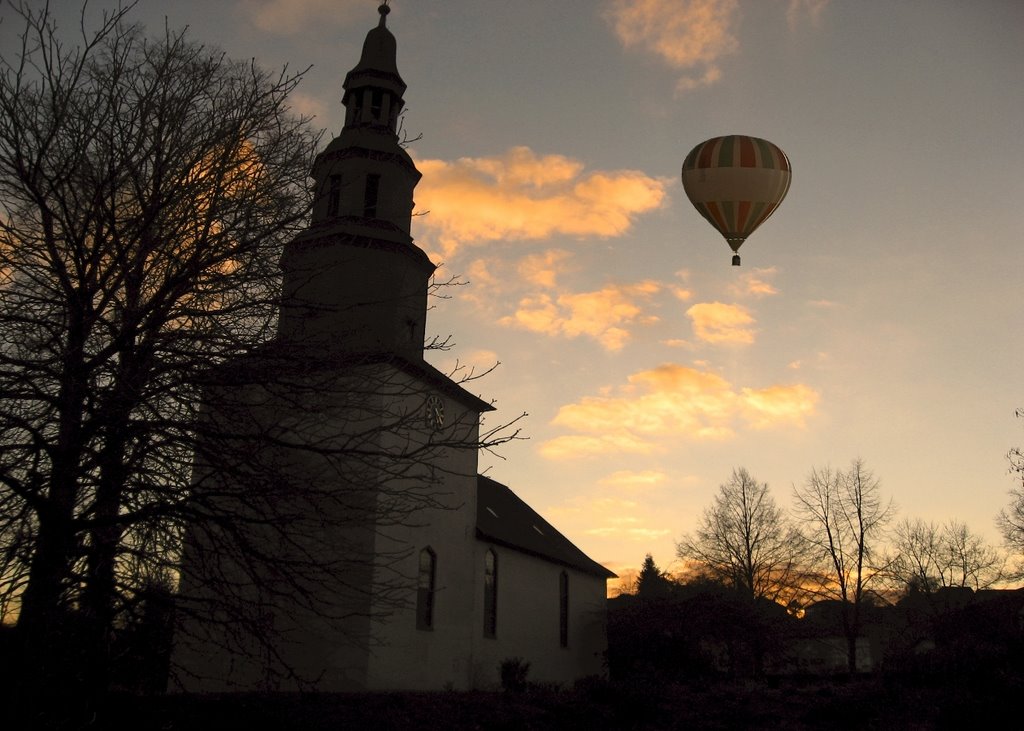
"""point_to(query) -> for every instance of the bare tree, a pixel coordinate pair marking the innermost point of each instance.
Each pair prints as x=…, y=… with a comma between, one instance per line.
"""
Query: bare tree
x=928, y=557
x=1011, y=519
x=147, y=188
x=744, y=540
x=844, y=517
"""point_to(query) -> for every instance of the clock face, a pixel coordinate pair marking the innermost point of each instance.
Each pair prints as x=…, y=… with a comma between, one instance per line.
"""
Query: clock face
x=434, y=412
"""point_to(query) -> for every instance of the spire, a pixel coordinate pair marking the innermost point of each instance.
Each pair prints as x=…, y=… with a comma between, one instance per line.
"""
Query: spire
x=374, y=88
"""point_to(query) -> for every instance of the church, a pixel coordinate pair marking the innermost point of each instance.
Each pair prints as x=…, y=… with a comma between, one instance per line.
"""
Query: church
x=381, y=560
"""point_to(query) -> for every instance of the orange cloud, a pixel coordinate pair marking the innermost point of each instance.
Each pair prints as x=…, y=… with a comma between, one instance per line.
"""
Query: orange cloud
x=755, y=283
x=715, y=322
x=543, y=269
x=765, y=407
x=524, y=196
x=602, y=315
x=690, y=35
x=607, y=517
x=578, y=445
x=670, y=402
x=635, y=481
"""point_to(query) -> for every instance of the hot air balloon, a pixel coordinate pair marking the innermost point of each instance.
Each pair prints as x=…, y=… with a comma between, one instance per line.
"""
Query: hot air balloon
x=736, y=182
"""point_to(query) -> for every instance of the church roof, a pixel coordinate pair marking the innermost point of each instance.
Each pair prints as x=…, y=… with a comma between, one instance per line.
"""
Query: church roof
x=279, y=361
x=501, y=517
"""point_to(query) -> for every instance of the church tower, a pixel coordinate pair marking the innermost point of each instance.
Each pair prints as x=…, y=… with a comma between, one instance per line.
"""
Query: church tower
x=354, y=281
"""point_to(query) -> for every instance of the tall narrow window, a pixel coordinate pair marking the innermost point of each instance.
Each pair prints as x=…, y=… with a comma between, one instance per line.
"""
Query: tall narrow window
x=490, y=594
x=425, y=590
x=370, y=198
x=563, y=609
x=376, y=102
x=334, y=196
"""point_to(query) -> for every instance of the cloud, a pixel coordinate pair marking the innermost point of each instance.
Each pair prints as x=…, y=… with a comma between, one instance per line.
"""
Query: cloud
x=811, y=9
x=628, y=532
x=578, y=445
x=755, y=283
x=290, y=17
x=606, y=517
x=602, y=314
x=681, y=293
x=689, y=35
x=635, y=481
x=715, y=322
x=763, y=408
x=671, y=402
x=479, y=273
x=307, y=104
x=543, y=269
x=524, y=196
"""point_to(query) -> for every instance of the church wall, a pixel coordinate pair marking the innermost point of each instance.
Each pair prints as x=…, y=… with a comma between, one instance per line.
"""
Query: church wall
x=528, y=620
x=405, y=656
x=288, y=623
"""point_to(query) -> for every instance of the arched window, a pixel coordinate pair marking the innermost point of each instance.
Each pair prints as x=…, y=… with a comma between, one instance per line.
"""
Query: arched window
x=563, y=609
x=425, y=589
x=490, y=593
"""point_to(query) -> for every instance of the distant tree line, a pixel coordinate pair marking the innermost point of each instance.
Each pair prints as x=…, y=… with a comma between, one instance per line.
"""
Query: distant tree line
x=757, y=569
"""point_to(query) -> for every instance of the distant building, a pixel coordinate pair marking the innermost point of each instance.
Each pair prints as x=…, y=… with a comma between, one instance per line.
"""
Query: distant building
x=478, y=577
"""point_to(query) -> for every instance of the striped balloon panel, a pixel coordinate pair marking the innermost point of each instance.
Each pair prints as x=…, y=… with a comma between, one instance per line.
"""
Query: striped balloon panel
x=736, y=200
x=736, y=151
x=735, y=220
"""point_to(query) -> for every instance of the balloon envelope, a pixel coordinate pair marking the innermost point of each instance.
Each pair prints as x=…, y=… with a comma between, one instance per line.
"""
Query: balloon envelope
x=736, y=182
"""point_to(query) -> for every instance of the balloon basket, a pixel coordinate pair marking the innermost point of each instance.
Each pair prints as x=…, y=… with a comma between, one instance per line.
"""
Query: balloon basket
x=735, y=260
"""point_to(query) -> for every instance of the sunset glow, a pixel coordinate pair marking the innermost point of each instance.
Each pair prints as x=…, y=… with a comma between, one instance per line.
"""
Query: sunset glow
x=874, y=315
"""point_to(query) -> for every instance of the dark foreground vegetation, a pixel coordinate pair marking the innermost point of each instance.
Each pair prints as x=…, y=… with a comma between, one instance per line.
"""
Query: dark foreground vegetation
x=691, y=657
x=884, y=702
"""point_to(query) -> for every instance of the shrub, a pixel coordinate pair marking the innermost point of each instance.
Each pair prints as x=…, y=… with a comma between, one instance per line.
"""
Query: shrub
x=513, y=674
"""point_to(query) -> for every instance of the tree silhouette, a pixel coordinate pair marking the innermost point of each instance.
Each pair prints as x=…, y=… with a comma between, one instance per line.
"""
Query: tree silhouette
x=928, y=557
x=1011, y=519
x=844, y=516
x=745, y=541
x=652, y=582
x=148, y=186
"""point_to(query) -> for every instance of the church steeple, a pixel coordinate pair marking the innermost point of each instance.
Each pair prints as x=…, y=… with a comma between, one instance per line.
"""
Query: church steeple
x=354, y=281
x=374, y=89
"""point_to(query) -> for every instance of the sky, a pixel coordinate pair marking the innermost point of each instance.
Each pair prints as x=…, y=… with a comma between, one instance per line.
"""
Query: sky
x=876, y=315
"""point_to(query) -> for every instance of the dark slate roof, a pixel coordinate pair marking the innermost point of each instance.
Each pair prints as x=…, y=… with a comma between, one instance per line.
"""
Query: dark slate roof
x=503, y=518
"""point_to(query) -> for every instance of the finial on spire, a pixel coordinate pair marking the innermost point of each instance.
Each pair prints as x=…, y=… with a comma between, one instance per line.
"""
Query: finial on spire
x=383, y=9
